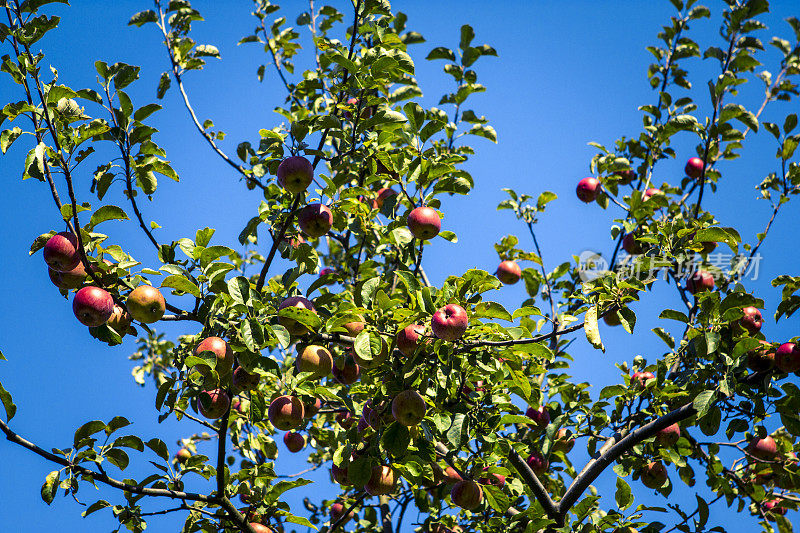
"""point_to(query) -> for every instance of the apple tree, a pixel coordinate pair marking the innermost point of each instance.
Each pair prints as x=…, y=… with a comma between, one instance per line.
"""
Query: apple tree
x=320, y=327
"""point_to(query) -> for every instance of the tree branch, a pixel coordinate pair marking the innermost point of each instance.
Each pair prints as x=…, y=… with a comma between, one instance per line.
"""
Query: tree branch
x=533, y=483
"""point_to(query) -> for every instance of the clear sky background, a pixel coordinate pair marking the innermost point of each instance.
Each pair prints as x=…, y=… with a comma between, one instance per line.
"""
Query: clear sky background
x=568, y=73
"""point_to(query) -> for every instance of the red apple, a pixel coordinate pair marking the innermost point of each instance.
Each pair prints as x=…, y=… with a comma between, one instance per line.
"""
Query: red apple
x=450, y=322
x=700, y=281
x=382, y=480
x=355, y=327
x=424, y=222
x=213, y=403
x=366, y=111
x=294, y=327
x=694, y=167
x=324, y=272
x=639, y=379
x=68, y=280
x=286, y=412
x=408, y=338
x=345, y=419
x=383, y=195
x=340, y=475
x=315, y=359
x=625, y=176
x=563, y=442
x=183, y=455
x=315, y=220
x=409, y=408
x=774, y=507
x=652, y=192
x=631, y=245
x=260, y=528
x=312, y=408
x=295, y=174
x=540, y=416
x=345, y=370
x=451, y=475
x=337, y=510
x=146, y=304
x=653, y=475
x=120, y=320
x=61, y=252
x=764, y=449
x=538, y=463
x=221, y=351
x=294, y=441
x=466, y=494
x=244, y=380
x=762, y=358
x=787, y=357
x=498, y=480
x=92, y=306
x=669, y=435
x=508, y=272
x=751, y=321
x=588, y=189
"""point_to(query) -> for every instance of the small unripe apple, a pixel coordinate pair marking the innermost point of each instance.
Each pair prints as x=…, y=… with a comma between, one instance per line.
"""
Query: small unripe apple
x=700, y=281
x=450, y=322
x=293, y=326
x=146, y=304
x=540, y=416
x=752, y=320
x=339, y=474
x=295, y=174
x=649, y=193
x=237, y=405
x=120, y=320
x=382, y=480
x=787, y=357
x=653, y=475
x=409, y=408
x=61, y=252
x=92, y=306
x=337, y=510
x=345, y=370
x=497, y=480
x=625, y=176
x=183, y=455
x=315, y=359
x=639, y=379
x=315, y=220
x=588, y=189
x=424, y=222
x=631, y=245
x=213, y=403
x=669, y=435
x=286, y=412
x=508, y=272
x=294, y=441
x=694, y=167
x=312, y=407
x=762, y=358
x=466, y=494
x=71, y=279
x=764, y=449
x=355, y=327
x=538, y=463
x=221, y=351
x=563, y=442
x=244, y=380
x=408, y=338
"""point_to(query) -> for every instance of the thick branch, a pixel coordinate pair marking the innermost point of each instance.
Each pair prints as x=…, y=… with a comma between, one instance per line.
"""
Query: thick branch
x=533, y=483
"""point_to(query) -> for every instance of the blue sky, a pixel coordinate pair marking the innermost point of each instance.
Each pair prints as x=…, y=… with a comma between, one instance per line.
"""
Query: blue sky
x=568, y=73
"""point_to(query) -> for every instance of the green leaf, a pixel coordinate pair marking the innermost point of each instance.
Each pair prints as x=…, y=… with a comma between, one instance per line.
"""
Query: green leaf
x=458, y=427
x=592, y=330
x=144, y=112
x=496, y=498
x=703, y=402
x=671, y=314
x=158, y=446
x=107, y=212
x=118, y=458
x=395, y=439
x=87, y=430
x=118, y=422
x=129, y=441
x=50, y=487
x=96, y=506
x=623, y=495
x=239, y=290
x=727, y=235
x=8, y=404
x=143, y=17
x=441, y=52
x=483, y=130
x=491, y=310
x=181, y=283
